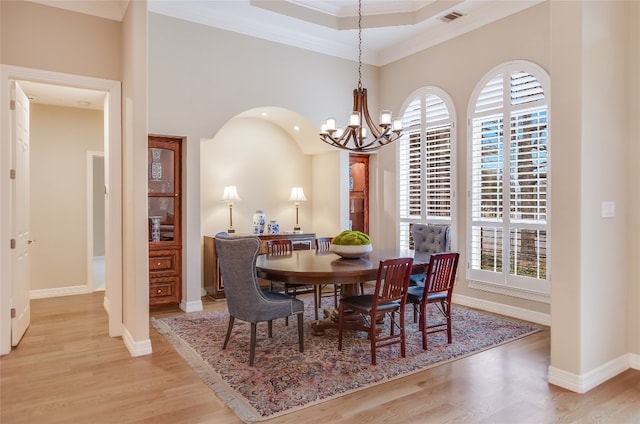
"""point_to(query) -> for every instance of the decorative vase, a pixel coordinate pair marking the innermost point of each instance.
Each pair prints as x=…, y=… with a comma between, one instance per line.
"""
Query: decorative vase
x=155, y=228
x=274, y=227
x=156, y=165
x=259, y=221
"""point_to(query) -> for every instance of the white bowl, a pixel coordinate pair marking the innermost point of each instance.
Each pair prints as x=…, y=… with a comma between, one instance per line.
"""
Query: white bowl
x=351, y=251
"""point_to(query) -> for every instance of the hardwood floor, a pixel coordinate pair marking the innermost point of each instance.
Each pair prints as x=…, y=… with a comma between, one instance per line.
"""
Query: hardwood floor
x=68, y=370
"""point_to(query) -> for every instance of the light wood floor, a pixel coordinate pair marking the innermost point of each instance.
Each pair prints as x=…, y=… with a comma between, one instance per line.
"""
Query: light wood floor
x=68, y=370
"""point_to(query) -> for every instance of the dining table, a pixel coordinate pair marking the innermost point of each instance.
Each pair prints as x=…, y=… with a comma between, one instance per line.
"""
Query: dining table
x=310, y=267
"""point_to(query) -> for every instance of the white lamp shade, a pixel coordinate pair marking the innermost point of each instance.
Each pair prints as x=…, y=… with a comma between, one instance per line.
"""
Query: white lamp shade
x=297, y=195
x=230, y=193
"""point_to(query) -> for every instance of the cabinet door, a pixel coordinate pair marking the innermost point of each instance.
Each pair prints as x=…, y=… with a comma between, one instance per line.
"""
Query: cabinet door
x=164, y=210
x=359, y=192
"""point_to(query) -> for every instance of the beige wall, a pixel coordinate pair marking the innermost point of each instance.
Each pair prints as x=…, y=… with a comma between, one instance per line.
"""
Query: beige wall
x=135, y=255
x=633, y=297
x=457, y=66
x=42, y=37
x=60, y=140
x=197, y=88
x=592, y=267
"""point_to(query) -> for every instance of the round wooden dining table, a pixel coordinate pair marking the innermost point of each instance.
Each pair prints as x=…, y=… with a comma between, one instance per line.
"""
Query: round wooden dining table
x=311, y=267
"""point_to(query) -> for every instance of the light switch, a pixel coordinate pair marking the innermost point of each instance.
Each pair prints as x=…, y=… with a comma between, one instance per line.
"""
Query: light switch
x=608, y=209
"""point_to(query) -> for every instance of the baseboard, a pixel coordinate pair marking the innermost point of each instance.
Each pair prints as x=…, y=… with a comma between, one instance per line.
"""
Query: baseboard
x=135, y=348
x=499, y=308
x=194, y=306
x=634, y=361
x=57, y=292
x=582, y=383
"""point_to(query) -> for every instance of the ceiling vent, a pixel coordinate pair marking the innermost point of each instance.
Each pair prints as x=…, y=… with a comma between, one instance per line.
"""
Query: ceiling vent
x=451, y=16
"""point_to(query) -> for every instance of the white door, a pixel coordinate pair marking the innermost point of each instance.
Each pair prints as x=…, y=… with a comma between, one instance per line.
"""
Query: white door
x=21, y=312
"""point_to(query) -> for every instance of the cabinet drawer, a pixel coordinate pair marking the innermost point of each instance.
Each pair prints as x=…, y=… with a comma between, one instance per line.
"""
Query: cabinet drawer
x=163, y=263
x=165, y=288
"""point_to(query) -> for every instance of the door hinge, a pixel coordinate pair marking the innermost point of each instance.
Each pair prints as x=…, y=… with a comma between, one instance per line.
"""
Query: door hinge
x=12, y=105
x=12, y=174
x=12, y=244
x=13, y=312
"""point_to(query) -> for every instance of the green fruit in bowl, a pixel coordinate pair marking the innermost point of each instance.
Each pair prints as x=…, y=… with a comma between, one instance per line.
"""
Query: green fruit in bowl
x=351, y=238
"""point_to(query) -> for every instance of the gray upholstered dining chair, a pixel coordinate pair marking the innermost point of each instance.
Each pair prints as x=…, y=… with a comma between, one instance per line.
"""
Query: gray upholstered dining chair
x=429, y=238
x=246, y=301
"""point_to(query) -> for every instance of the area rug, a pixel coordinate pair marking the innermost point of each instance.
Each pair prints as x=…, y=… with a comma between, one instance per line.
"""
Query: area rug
x=284, y=380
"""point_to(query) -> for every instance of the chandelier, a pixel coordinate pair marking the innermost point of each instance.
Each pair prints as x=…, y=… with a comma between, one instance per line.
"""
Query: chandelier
x=355, y=137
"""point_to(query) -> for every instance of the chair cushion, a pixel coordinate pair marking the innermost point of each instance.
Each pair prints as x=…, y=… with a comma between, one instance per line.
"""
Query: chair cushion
x=429, y=238
x=415, y=293
x=417, y=279
x=297, y=305
x=365, y=303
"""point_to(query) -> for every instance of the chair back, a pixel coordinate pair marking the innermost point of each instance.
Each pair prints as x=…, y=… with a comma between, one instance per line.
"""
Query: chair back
x=279, y=247
x=237, y=256
x=323, y=244
x=431, y=238
x=441, y=273
x=393, y=280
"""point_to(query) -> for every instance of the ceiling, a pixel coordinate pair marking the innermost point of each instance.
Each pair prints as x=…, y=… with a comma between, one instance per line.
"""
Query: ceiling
x=391, y=29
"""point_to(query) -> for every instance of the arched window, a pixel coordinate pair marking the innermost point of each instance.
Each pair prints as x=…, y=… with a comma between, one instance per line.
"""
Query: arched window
x=508, y=232
x=426, y=169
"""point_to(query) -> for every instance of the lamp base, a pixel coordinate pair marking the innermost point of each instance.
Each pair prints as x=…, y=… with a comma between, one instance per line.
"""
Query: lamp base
x=297, y=229
x=230, y=230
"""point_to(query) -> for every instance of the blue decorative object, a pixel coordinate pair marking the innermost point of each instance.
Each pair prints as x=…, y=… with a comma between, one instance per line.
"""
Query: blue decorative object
x=259, y=221
x=274, y=227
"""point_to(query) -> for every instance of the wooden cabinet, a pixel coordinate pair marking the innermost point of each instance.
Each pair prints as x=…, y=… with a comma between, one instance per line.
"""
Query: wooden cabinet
x=359, y=192
x=164, y=218
x=212, y=280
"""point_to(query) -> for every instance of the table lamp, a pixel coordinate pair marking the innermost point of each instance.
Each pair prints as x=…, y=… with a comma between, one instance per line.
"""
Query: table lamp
x=297, y=195
x=229, y=195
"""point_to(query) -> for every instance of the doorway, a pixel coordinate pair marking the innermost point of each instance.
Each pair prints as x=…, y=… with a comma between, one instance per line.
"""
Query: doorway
x=113, y=193
x=95, y=221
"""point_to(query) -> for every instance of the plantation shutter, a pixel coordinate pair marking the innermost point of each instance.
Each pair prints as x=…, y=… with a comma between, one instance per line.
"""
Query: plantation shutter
x=508, y=182
x=425, y=165
x=410, y=166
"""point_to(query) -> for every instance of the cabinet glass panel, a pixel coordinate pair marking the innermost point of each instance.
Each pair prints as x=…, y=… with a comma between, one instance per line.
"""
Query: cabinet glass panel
x=161, y=169
x=161, y=218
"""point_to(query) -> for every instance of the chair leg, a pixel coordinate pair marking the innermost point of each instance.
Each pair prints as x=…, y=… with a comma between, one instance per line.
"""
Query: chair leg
x=423, y=323
x=252, y=345
x=340, y=325
x=317, y=297
x=270, y=329
x=372, y=338
x=335, y=295
x=403, y=350
x=447, y=308
x=226, y=339
x=300, y=333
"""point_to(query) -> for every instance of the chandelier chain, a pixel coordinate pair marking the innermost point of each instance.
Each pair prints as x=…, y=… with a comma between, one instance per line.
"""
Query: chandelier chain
x=359, y=44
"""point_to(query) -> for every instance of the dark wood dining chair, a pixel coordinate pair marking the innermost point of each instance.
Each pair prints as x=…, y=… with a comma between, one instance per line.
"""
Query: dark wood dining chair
x=389, y=297
x=245, y=299
x=437, y=289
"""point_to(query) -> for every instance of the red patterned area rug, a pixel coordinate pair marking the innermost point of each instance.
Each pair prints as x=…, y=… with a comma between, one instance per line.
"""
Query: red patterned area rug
x=284, y=380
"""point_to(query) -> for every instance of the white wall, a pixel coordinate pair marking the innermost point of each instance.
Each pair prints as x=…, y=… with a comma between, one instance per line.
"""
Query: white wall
x=60, y=139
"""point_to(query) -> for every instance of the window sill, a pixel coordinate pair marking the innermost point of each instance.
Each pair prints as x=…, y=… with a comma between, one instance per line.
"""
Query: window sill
x=510, y=291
